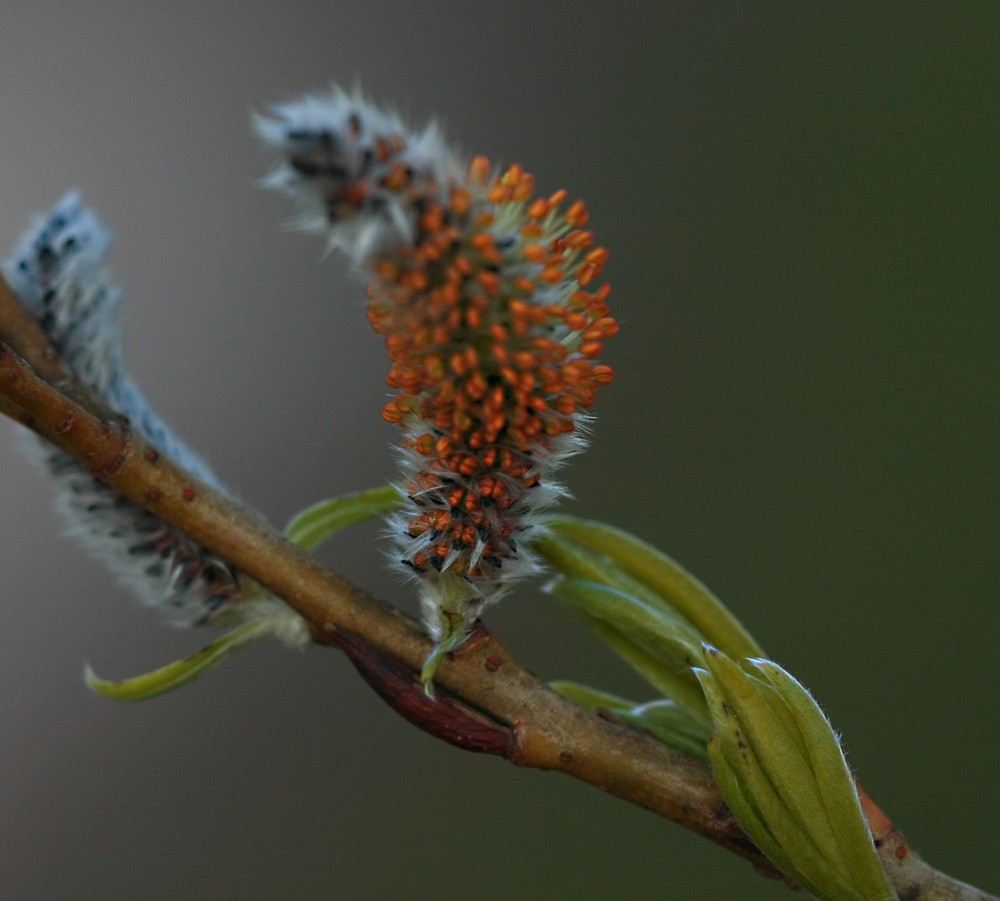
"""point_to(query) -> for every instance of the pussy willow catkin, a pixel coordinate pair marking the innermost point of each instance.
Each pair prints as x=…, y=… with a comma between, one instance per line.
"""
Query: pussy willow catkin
x=58, y=270
x=486, y=297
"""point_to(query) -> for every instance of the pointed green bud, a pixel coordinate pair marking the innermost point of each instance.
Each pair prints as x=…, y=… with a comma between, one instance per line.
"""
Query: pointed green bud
x=780, y=768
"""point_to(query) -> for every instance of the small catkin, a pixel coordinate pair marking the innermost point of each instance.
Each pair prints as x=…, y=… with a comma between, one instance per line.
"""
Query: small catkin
x=486, y=297
x=59, y=273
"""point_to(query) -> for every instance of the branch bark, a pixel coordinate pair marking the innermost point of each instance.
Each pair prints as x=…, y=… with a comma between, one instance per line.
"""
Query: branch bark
x=487, y=701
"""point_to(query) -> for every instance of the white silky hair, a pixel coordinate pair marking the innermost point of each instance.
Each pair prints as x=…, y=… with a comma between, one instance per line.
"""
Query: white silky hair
x=337, y=139
x=58, y=271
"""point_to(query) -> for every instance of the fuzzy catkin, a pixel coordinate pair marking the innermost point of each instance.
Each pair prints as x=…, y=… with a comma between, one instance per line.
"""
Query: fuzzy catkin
x=59, y=273
x=485, y=296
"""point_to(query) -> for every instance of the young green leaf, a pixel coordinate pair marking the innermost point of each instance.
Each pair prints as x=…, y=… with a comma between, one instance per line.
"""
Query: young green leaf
x=662, y=649
x=666, y=720
x=312, y=526
x=665, y=577
x=180, y=672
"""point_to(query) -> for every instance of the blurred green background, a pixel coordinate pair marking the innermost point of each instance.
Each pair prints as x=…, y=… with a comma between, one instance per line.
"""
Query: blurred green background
x=800, y=201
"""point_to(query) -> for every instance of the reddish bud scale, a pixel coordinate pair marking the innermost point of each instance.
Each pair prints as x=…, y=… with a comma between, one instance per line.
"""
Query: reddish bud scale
x=483, y=295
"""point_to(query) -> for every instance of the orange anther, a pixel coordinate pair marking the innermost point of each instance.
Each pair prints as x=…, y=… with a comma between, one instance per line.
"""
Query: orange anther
x=434, y=367
x=476, y=386
x=565, y=405
x=490, y=281
x=607, y=326
x=432, y=219
x=424, y=445
x=524, y=360
x=482, y=241
x=354, y=195
x=577, y=215
x=513, y=175
x=479, y=170
x=533, y=252
x=539, y=209
x=603, y=375
x=398, y=177
x=406, y=403
x=460, y=201
x=525, y=189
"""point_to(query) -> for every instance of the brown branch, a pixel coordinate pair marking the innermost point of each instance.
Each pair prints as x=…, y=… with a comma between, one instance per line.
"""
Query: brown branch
x=487, y=701
x=483, y=688
x=913, y=878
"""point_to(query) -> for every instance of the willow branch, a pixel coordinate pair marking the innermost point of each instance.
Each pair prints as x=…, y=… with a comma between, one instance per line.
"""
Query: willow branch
x=486, y=701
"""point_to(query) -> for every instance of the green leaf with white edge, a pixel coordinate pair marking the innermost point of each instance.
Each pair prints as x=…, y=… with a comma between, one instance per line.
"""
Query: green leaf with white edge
x=665, y=719
x=667, y=682
x=673, y=724
x=577, y=561
x=667, y=578
x=665, y=648
x=671, y=640
x=312, y=526
x=180, y=672
x=834, y=779
x=592, y=699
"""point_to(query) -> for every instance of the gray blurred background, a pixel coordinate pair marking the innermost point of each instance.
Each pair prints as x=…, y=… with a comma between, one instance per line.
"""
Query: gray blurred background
x=801, y=203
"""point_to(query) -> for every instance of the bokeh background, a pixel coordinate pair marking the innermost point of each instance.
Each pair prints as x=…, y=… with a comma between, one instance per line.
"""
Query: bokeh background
x=801, y=203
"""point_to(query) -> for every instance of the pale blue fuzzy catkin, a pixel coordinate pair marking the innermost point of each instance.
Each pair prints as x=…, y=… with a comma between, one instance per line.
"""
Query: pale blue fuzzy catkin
x=59, y=273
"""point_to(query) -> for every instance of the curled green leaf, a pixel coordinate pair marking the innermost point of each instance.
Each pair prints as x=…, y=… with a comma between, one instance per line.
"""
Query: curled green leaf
x=180, y=672
x=575, y=560
x=662, y=649
x=668, y=580
x=314, y=525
